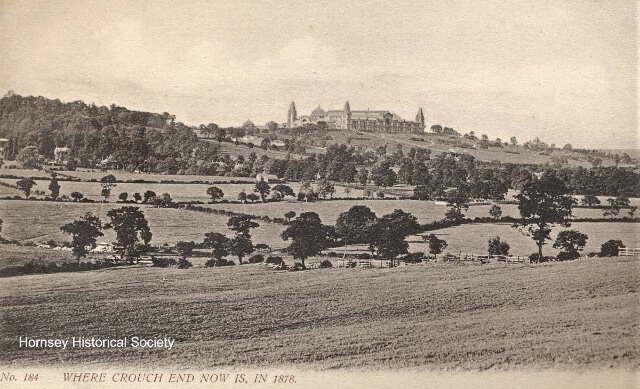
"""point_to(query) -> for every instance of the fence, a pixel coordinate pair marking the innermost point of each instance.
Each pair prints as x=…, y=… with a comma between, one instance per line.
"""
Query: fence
x=628, y=252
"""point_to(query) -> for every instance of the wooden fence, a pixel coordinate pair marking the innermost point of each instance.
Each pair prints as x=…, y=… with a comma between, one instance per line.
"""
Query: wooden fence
x=628, y=252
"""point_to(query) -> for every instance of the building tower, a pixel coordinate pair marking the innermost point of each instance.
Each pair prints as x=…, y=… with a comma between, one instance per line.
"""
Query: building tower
x=420, y=119
x=346, y=117
x=292, y=116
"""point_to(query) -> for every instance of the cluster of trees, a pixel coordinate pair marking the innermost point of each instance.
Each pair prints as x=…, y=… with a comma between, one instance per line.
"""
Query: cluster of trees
x=130, y=226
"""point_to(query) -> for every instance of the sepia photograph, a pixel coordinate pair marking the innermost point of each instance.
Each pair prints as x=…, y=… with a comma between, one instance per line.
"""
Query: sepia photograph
x=319, y=194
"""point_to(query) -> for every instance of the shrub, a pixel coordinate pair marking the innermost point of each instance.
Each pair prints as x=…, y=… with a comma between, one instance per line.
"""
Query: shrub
x=183, y=263
x=535, y=258
x=325, y=264
x=363, y=256
x=610, y=248
x=568, y=255
x=332, y=254
x=296, y=267
x=219, y=262
x=258, y=258
x=413, y=258
x=163, y=261
x=275, y=260
x=262, y=247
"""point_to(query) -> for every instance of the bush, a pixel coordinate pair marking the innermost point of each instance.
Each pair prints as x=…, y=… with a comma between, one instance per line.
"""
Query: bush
x=325, y=264
x=413, y=258
x=296, y=267
x=183, y=263
x=568, y=255
x=535, y=258
x=275, y=260
x=332, y=254
x=256, y=259
x=363, y=256
x=163, y=261
x=610, y=248
x=219, y=262
x=261, y=247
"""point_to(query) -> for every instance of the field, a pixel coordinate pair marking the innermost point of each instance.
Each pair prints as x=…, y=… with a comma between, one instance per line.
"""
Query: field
x=178, y=192
x=86, y=174
x=582, y=314
x=474, y=238
x=41, y=221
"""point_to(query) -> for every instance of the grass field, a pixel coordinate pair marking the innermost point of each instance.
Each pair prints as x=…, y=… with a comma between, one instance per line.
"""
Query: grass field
x=474, y=238
x=178, y=192
x=41, y=221
x=86, y=174
x=581, y=314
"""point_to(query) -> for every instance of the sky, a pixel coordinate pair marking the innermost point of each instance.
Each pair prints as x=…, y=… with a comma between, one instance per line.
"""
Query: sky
x=564, y=71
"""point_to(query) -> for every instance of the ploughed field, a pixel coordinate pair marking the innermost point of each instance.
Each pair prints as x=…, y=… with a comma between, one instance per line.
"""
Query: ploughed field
x=439, y=316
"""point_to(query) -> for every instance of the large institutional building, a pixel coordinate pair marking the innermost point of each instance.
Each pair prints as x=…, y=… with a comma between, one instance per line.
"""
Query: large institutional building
x=346, y=119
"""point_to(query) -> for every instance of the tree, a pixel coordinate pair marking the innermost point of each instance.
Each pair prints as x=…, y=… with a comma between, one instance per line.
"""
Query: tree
x=252, y=197
x=347, y=191
x=84, y=233
x=123, y=196
x=458, y=199
x=289, y=215
x=382, y=175
x=107, y=182
x=389, y=232
x=610, y=248
x=325, y=188
x=354, y=226
x=215, y=193
x=436, y=245
x=137, y=197
x=362, y=176
x=495, y=212
x=283, y=190
x=185, y=248
x=76, y=196
x=544, y=202
x=25, y=185
x=130, y=226
x=218, y=243
x=571, y=242
x=54, y=187
x=263, y=188
x=567, y=147
x=30, y=158
x=308, y=236
x=242, y=196
x=148, y=195
x=615, y=205
x=513, y=140
x=590, y=200
x=241, y=244
x=498, y=247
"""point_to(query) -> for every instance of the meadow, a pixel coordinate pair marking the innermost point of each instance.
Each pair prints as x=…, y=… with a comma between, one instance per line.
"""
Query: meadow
x=41, y=221
x=179, y=192
x=571, y=315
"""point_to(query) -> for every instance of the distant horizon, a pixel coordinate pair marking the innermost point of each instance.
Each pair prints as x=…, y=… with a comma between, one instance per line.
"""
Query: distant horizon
x=428, y=125
x=564, y=71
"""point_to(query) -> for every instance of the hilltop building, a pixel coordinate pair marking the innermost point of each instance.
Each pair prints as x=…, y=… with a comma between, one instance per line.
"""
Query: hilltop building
x=346, y=119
